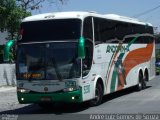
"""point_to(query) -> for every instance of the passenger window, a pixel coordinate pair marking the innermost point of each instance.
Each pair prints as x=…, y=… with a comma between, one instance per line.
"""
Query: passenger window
x=87, y=62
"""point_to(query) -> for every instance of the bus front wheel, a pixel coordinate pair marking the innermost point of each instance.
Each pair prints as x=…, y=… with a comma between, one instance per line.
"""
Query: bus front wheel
x=98, y=96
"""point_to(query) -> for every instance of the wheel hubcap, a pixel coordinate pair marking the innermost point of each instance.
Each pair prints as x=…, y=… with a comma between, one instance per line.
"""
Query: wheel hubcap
x=97, y=94
x=97, y=97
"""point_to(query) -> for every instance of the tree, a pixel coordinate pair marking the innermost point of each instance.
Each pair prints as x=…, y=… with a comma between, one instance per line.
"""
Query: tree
x=10, y=17
x=5, y=8
x=29, y=5
x=14, y=21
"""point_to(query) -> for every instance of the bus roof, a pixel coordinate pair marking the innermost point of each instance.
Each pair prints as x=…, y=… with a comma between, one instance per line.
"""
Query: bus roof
x=81, y=15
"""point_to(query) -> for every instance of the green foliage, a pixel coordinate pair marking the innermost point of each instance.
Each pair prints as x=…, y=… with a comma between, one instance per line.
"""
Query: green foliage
x=14, y=21
x=11, y=16
x=5, y=9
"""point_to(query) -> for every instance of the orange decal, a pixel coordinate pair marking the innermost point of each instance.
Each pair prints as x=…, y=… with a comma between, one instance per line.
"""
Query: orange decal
x=137, y=56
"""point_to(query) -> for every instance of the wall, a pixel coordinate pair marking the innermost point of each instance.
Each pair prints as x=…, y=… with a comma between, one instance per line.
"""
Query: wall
x=7, y=75
x=3, y=36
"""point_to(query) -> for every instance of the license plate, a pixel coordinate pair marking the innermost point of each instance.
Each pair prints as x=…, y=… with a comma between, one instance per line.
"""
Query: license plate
x=46, y=99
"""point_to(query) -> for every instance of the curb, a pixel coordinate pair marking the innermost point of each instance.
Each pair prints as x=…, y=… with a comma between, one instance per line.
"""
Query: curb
x=7, y=88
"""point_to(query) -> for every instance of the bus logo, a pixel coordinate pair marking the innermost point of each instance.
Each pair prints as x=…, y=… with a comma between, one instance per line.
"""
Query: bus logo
x=114, y=48
x=46, y=89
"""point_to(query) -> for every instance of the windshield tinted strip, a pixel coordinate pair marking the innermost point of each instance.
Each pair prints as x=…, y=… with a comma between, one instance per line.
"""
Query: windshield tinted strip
x=49, y=42
x=47, y=30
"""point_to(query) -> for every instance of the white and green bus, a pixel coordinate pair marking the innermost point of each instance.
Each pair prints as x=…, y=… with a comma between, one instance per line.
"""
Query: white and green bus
x=81, y=56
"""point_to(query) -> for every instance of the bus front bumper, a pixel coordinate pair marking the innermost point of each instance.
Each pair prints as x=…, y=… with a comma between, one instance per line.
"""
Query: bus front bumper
x=69, y=97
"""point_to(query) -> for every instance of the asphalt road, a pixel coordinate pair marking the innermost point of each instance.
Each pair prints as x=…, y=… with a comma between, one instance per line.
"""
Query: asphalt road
x=124, y=102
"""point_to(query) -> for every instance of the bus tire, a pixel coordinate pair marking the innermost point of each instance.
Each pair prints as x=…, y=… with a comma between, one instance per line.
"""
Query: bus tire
x=145, y=80
x=140, y=82
x=98, y=96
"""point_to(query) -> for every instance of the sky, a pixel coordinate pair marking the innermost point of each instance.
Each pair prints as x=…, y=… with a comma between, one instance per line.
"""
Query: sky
x=127, y=8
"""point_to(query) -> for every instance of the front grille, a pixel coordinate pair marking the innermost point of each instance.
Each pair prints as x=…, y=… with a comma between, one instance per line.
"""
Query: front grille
x=33, y=92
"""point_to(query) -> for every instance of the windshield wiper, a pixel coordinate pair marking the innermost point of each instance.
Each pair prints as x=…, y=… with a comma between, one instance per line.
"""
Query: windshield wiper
x=59, y=76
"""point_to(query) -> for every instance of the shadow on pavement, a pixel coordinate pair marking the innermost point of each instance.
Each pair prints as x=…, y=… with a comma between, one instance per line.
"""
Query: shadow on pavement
x=58, y=109
x=121, y=93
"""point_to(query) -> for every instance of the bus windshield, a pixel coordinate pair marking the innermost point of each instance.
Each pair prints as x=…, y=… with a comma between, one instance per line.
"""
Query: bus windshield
x=50, y=30
x=48, y=61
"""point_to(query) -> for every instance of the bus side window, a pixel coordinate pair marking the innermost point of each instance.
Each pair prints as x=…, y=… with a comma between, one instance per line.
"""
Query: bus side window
x=104, y=30
x=87, y=28
x=97, y=31
x=87, y=62
x=88, y=35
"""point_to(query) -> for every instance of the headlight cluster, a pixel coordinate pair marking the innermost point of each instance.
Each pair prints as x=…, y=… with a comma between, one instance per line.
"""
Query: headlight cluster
x=23, y=90
x=70, y=86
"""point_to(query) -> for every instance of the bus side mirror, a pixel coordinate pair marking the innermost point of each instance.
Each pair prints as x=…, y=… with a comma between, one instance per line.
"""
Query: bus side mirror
x=81, y=48
x=7, y=48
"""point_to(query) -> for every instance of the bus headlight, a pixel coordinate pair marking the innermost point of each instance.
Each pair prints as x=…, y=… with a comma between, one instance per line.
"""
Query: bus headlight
x=70, y=86
x=69, y=89
x=22, y=90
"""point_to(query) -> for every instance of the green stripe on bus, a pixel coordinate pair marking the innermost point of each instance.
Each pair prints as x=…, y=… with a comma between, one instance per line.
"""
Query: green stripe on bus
x=110, y=63
x=114, y=75
x=113, y=81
